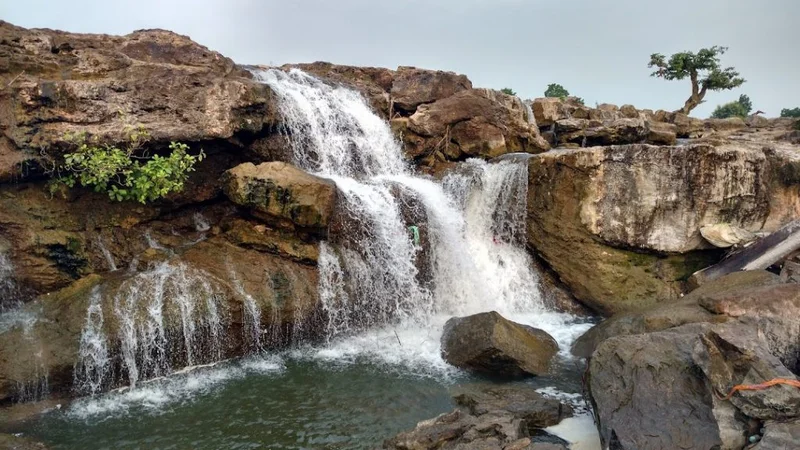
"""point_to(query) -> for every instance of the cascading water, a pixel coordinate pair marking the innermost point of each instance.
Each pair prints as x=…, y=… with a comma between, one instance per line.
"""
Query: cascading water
x=94, y=366
x=171, y=292
x=8, y=288
x=370, y=276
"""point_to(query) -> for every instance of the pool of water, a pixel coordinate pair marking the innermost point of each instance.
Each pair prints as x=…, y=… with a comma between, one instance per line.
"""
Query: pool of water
x=264, y=402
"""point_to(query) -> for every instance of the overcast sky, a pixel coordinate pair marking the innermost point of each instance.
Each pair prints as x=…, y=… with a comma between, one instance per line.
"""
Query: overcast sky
x=598, y=49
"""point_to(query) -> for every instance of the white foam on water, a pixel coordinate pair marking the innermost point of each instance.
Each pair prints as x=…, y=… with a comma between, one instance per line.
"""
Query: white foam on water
x=154, y=396
x=580, y=431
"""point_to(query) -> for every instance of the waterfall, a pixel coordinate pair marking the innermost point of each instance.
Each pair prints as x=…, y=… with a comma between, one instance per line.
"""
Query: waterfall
x=143, y=302
x=168, y=317
x=251, y=315
x=92, y=371
x=375, y=273
x=8, y=288
x=112, y=265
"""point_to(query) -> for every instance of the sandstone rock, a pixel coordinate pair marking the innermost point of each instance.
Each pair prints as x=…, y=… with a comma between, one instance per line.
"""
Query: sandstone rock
x=491, y=418
x=731, y=123
x=489, y=344
x=780, y=435
x=102, y=85
x=588, y=207
x=751, y=336
x=629, y=111
x=756, y=121
x=413, y=87
x=547, y=110
x=687, y=127
x=522, y=402
x=661, y=133
x=710, y=302
x=471, y=122
x=282, y=194
x=725, y=235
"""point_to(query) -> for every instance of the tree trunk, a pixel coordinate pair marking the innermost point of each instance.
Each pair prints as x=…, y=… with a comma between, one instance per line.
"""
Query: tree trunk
x=696, y=97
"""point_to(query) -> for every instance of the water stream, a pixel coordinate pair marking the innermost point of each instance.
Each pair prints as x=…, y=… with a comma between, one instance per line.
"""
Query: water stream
x=414, y=252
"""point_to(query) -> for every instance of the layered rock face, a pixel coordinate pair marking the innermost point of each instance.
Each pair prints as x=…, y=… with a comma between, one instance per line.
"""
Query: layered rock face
x=622, y=225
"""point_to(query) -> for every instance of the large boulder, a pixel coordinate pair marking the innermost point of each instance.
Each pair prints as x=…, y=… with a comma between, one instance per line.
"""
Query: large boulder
x=547, y=110
x=655, y=372
x=472, y=122
x=489, y=344
x=621, y=225
x=413, y=87
x=667, y=389
x=282, y=194
x=57, y=83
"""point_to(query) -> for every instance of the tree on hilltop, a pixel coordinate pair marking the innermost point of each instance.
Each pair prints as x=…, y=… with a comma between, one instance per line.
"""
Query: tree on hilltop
x=703, y=70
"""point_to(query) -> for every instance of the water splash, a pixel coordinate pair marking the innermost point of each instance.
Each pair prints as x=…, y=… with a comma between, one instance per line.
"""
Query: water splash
x=200, y=222
x=92, y=371
x=9, y=294
x=384, y=295
x=251, y=315
x=143, y=306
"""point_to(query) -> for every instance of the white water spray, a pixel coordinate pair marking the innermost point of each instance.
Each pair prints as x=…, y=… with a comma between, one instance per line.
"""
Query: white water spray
x=92, y=371
x=386, y=296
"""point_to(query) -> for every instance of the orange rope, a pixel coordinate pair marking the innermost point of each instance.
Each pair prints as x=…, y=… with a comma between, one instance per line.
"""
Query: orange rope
x=758, y=387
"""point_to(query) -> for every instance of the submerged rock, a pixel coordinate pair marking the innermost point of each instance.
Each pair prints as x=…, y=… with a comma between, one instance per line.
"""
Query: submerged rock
x=489, y=344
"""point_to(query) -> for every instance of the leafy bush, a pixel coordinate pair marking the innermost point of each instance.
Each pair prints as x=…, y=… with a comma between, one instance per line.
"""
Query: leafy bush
x=790, y=112
x=732, y=109
x=739, y=108
x=508, y=91
x=556, y=90
x=122, y=174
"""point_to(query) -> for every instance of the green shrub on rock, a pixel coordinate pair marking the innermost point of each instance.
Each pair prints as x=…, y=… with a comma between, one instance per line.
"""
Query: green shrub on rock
x=123, y=174
x=790, y=112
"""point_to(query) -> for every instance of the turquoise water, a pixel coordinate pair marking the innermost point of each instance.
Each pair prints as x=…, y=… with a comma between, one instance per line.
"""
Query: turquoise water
x=257, y=403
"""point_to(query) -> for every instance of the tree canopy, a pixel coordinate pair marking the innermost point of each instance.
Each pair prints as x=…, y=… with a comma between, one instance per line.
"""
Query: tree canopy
x=790, y=112
x=703, y=69
x=556, y=90
x=739, y=108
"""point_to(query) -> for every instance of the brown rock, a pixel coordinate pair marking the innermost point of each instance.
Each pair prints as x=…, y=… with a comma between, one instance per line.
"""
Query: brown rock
x=489, y=344
x=413, y=87
x=661, y=133
x=729, y=124
x=629, y=111
x=283, y=194
x=547, y=110
x=587, y=207
x=59, y=83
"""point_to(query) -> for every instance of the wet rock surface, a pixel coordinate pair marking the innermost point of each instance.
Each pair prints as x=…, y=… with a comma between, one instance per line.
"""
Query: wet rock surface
x=491, y=418
x=688, y=357
x=489, y=344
